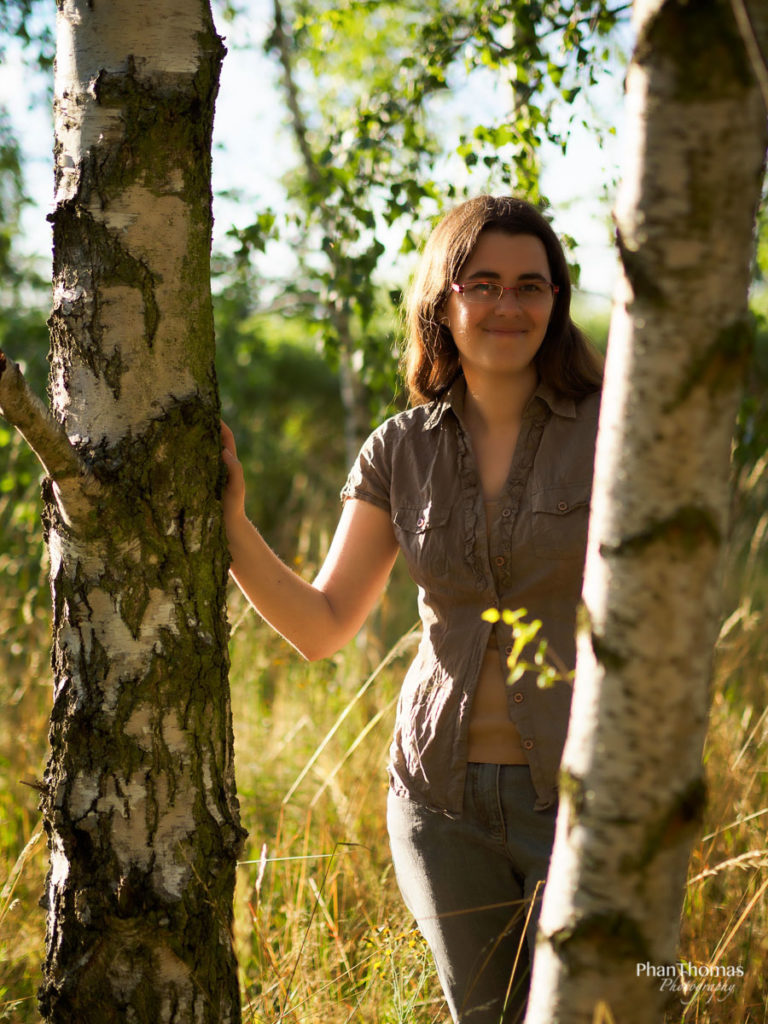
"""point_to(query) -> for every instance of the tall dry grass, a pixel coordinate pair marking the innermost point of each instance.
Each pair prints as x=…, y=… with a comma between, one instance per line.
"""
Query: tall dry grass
x=320, y=929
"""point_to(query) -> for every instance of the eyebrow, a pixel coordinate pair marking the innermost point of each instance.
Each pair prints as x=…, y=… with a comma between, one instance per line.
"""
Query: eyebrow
x=492, y=275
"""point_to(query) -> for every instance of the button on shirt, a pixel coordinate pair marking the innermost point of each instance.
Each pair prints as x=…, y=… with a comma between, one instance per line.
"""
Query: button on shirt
x=420, y=468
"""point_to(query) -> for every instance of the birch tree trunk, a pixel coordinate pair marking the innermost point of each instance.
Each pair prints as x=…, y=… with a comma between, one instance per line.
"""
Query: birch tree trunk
x=352, y=390
x=631, y=786
x=139, y=799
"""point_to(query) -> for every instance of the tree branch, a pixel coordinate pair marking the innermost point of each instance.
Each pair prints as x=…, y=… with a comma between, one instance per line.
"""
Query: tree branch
x=24, y=411
x=281, y=44
x=754, y=33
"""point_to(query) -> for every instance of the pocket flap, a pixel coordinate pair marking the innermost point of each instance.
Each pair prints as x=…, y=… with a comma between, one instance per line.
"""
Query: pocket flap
x=560, y=500
x=417, y=520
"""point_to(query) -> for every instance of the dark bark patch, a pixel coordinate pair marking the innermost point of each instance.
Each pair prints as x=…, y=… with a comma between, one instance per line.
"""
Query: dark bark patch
x=640, y=269
x=700, y=48
x=674, y=825
x=609, y=658
x=686, y=530
x=721, y=366
x=89, y=243
x=618, y=935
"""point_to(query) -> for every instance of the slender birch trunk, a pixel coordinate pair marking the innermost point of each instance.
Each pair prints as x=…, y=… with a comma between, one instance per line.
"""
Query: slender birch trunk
x=351, y=388
x=139, y=798
x=631, y=789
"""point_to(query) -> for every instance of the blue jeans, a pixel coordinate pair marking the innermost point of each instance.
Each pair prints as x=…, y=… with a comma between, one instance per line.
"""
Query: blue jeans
x=472, y=882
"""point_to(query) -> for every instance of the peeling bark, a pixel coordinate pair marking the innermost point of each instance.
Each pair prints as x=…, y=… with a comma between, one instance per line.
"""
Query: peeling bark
x=631, y=793
x=140, y=805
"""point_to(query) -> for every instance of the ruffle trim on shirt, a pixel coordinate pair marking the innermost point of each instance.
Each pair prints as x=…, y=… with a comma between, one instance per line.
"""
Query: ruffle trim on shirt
x=533, y=427
x=471, y=489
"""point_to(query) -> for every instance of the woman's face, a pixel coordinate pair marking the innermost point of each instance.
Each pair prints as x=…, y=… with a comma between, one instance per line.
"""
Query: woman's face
x=503, y=336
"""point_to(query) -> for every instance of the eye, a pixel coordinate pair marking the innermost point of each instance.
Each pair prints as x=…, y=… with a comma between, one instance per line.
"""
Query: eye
x=532, y=288
x=481, y=289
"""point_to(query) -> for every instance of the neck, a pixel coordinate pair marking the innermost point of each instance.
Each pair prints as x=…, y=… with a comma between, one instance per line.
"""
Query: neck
x=497, y=400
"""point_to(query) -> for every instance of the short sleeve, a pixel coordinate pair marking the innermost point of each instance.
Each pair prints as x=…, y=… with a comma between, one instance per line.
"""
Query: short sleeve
x=370, y=476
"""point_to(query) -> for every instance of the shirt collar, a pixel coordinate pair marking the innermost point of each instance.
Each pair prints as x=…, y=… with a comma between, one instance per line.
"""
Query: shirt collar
x=449, y=399
x=558, y=403
x=453, y=399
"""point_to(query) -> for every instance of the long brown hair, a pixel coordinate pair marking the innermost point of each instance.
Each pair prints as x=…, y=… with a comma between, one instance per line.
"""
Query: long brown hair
x=566, y=360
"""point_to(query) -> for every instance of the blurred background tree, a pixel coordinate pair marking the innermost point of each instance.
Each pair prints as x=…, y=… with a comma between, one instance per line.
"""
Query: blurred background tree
x=24, y=306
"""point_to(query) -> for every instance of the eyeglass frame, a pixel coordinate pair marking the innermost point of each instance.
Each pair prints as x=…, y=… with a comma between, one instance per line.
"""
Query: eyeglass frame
x=514, y=288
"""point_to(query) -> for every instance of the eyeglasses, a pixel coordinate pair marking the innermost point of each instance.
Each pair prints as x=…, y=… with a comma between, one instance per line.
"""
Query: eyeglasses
x=530, y=294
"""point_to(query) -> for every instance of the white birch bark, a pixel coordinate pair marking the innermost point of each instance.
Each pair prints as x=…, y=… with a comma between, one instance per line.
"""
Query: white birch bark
x=632, y=790
x=139, y=796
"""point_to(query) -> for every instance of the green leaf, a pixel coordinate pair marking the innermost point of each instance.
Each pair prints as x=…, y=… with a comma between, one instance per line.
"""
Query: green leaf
x=517, y=673
x=510, y=617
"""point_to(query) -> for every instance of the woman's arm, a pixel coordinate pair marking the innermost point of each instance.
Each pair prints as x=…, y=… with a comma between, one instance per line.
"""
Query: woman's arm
x=319, y=617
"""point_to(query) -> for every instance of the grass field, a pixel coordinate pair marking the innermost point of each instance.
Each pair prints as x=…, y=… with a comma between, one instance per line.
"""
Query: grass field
x=321, y=933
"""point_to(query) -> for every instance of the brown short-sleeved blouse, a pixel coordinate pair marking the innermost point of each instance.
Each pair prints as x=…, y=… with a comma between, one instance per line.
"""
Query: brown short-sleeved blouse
x=419, y=466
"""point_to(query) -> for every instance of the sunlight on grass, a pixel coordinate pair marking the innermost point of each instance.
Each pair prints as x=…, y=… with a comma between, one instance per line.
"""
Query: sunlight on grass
x=320, y=929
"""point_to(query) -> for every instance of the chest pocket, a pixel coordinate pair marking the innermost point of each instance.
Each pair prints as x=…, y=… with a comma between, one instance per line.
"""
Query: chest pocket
x=560, y=520
x=422, y=536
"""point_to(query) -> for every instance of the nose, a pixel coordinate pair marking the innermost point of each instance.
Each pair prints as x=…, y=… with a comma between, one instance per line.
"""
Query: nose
x=509, y=300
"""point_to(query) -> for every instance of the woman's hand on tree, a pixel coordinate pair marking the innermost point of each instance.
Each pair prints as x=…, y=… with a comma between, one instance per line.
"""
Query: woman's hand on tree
x=233, y=498
x=319, y=617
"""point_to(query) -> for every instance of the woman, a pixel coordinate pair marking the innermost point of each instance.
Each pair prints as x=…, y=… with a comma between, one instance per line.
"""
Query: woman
x=484, y=485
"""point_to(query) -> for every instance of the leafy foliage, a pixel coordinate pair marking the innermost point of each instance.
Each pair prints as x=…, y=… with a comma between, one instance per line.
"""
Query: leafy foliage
x=29, y=22
x=282, y=401
x=547, y=667
x=22, y=621
x=12, y=196
x=370, y=89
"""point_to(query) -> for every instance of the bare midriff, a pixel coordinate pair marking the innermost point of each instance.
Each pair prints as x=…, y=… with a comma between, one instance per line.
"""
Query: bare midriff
x=493, y=737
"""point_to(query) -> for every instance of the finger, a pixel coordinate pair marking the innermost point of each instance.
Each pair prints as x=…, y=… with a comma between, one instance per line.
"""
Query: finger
x=228, y=438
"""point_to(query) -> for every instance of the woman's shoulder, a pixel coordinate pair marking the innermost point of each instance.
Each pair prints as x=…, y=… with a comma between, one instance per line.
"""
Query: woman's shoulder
x=587, y=409
x=402, y=440
x=589, y=405
x=569, y=435
x=410, y=423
